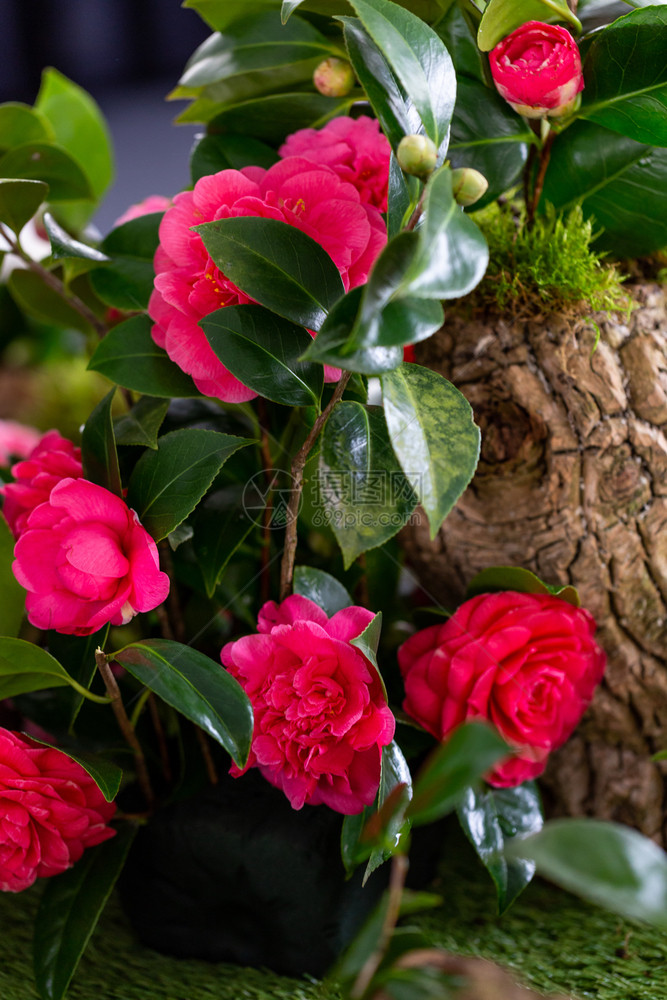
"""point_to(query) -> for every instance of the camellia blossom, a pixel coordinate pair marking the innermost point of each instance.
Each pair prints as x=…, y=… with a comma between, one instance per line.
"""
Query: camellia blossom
x=537, y=69
x=16, y=440
x=153, y=203
x=50, y=811
x=321, y=718
x=528, y=663
x=85, y=560
x=189, y=286
x=354, y=148
x=53, y=458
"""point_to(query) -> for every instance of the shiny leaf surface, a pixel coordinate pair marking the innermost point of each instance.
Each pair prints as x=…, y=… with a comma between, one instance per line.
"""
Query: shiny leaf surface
x=19, y=200
x=54, y=166
x=141, y=425
x=501, y=17
x=98, y=448
x=322, y=588
x=126, y=282
x=25, y=667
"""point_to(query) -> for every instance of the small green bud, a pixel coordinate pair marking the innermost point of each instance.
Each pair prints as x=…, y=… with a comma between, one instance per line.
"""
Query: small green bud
x=417, y=154
x=334, y=77
x=468, y=185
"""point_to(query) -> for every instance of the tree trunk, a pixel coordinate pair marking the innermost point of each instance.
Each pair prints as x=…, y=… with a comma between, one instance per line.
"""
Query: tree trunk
x=571, y=485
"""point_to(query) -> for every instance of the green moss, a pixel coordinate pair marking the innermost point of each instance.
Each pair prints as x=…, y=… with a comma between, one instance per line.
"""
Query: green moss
x=547, y=267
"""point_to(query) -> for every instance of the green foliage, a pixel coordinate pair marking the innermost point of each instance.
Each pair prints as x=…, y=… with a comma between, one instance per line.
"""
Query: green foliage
x=547, y=268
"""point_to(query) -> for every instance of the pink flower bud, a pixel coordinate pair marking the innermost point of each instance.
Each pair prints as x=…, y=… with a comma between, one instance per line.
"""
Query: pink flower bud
x=334, y=77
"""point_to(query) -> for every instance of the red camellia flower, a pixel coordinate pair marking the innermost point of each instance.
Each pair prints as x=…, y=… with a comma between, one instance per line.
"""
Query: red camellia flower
x=50, y=811
x=188, y=285
x=153, y=203
x=527, y=663
x=321, y=718
x=53, y=458
x=537, y=69
x=85, y=560
x=354, y=148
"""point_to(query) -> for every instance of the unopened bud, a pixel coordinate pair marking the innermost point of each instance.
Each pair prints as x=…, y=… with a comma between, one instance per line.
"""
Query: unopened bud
x=468, y=185
x=417, y=154
x=334, y=77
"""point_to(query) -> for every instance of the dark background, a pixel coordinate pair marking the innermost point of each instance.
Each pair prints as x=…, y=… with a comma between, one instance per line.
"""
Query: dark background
x=128, y=54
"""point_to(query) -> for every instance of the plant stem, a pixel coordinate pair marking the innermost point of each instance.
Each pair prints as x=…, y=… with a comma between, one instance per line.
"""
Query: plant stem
x=298, y=463
x=267, y=463
x=399, y=870
x=545, y=155
x=124, y=724
x=416, y=215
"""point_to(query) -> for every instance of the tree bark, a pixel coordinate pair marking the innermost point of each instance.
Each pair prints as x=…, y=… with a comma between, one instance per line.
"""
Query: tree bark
x=571, y=485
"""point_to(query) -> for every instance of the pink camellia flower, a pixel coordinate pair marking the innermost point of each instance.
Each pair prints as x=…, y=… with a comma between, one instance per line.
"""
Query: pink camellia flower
x=527, y=663
x=188, y=285
x=85, y=560
x=321, y=718
x=16, y=440
x=153, y=203
x=537, y=69
x=53, y=458
x=50, y=811
x=354, y=147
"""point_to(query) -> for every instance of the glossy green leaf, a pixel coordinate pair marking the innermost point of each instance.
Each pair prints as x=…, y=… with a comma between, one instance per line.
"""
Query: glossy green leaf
x=78, y=652
x=12, y=594
x=277, y=265
x=501, y=17
x=365, y=495
x=220, y=527
x=626, y=77
x=228, y=152
x=606, y=863
x=106, y=775
x=262, y=350
x=270, y=119
x=322, y=588
x=458, y=31
x=497, y=578
x=488, y=136
x=54, y=166
x=621, y=185
x=39, y=300
x=25, y=667
x=64, y=245
x=129, y=356
x=141, y=425
x=367, y=641
x=166, y=485
x=196, y=686
x=79, y=126
x=288, y=7
x=220, y=13
x=466, y=756
x=434, y=436
x=98, y=448
x=19, y=200
x=418, y=58
x=69, y=910
x=127, y=281
x=19, y=123
x=403, y=197
x=490, y=817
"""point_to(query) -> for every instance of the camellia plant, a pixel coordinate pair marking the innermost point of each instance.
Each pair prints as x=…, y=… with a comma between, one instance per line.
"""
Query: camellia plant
x=205, y=574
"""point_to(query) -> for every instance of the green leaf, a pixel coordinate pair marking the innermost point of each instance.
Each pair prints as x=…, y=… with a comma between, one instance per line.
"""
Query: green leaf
x=366, y=497
x=621, y=185
x=196, y=686
x=166, y=485
x=501, y=17
x=127, y=281
x=19, y=200
x=141, y=425
x=331, y=344
x=220, y=527
x=39, y=300
x=129, y=356
x=25, y=667
x=12, y=594
x=69, y=910
x=434, y=436
x=606, y=863
x=277, y=265
x=497, y=578
x=263, y=350
x=228, y=152
x=54, y=166
x=321, y=588
x=419, y=60
x=466, y=756
x=220, y=13
x=98, y=448
x=288, y=7
x=490, y=818
x=626, y=77
x=452, y=254
x=458, y=30
x=64, y=245
x=270, y=119
x=367, y=642
x=106, y=775
x=79, y=127
x=19, y=123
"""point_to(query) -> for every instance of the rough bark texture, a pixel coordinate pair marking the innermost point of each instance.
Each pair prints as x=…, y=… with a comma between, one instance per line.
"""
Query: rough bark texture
x=571, y=484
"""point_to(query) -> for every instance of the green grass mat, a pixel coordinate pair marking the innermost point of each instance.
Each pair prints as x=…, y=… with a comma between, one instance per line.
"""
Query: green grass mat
x=549, y=939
